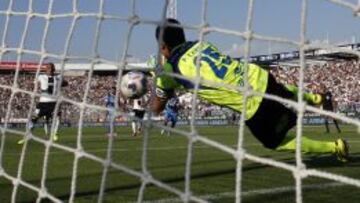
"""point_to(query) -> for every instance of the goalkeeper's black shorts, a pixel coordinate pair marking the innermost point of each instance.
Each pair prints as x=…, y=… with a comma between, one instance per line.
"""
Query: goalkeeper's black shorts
x=272, y=120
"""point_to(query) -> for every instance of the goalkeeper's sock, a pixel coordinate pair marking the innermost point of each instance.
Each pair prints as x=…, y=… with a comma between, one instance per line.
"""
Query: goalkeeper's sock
x=307, y=145
x=311, y=98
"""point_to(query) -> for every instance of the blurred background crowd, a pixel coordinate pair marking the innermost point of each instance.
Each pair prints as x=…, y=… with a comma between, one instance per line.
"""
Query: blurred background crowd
x=340, y=78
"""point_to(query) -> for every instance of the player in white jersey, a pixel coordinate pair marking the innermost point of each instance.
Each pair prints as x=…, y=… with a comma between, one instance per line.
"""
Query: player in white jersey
x=49, y=86
x=139, y=112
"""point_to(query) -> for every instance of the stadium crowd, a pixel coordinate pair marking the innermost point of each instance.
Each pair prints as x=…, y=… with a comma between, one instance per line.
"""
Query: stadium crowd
x=341, y=78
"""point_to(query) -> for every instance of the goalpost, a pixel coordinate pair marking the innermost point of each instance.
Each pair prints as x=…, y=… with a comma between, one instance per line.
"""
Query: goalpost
x=298, y=170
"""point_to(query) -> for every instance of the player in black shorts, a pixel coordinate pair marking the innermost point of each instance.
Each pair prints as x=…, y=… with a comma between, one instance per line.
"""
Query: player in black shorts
x=49, y=87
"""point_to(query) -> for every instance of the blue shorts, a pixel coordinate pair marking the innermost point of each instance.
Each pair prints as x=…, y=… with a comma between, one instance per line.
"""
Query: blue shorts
x=171, y=117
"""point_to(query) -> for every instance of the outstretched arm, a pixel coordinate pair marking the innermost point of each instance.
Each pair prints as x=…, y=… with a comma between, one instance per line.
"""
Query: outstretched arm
x=158, y=104
x=165, y=88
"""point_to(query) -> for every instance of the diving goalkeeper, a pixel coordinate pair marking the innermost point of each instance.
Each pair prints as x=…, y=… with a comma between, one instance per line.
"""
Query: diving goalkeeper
x=268, y=120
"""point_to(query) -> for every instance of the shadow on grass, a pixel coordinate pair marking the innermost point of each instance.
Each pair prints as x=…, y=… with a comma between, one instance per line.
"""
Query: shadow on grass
x=331, y=161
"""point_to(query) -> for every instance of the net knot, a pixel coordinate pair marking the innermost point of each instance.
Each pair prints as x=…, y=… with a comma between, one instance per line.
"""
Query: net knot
x=205, y=28
x=146, y=177
x=239, y=154
x=134, y=20
x=43, y=193
x=16, y=182
x=248, y=35
x=79, y=153
x=107, y=162
x=301, y=171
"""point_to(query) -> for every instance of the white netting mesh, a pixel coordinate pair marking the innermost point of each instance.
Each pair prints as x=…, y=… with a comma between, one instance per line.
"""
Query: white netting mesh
x=298, y=170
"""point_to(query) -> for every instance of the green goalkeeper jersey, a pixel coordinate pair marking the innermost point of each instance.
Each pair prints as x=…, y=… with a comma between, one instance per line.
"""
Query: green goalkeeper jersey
x=215, y=68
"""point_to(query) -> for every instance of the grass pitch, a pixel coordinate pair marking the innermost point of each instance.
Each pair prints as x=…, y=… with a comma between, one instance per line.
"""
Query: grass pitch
x=212, y=171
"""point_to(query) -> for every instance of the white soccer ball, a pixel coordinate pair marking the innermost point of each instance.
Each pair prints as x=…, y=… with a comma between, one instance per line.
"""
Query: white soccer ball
x=133, y=85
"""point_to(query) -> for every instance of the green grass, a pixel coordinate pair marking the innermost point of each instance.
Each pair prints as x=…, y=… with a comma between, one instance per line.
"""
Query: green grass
x=212, y=171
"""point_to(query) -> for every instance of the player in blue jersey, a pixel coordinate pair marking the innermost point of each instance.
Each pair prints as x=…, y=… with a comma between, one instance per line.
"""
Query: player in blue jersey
x=171, y=112
x=110, y=114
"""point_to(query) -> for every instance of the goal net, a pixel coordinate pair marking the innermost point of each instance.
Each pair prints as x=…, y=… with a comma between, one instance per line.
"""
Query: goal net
x=83, y=36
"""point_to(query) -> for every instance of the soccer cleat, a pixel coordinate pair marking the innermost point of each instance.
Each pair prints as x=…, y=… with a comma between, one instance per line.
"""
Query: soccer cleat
x=55, y=138
x=342, y=150
x=134, y=134
x=317, y=100
x=21, y=141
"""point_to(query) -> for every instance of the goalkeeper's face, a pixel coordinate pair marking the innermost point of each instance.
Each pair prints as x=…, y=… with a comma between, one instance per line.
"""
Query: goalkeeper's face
x=165, y=51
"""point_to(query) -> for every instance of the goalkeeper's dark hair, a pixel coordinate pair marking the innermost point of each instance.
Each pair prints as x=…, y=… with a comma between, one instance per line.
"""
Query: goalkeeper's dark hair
x=172, y=35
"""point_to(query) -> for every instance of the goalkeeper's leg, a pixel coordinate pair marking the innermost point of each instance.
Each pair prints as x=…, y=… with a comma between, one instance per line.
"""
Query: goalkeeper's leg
x=339, y=147
x=307, y=145
x=311, y=98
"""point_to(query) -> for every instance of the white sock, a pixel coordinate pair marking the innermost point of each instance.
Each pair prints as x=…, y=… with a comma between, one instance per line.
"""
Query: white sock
x=133, y=124
x=57, y=123
x=46, y=128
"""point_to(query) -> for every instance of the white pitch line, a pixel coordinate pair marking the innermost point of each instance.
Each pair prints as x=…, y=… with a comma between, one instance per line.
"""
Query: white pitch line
x=123, y=150
x=150, y=149
x=253, y=192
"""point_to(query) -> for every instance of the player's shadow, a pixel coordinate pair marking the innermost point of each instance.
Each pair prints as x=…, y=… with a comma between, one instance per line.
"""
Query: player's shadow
x=327, y=161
